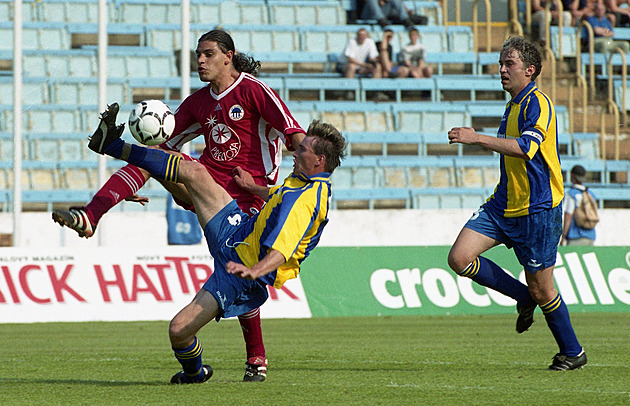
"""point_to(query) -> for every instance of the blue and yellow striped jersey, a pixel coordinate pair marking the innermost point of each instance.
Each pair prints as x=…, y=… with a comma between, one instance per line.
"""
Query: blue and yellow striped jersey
x=291, y=222
x=529, y=186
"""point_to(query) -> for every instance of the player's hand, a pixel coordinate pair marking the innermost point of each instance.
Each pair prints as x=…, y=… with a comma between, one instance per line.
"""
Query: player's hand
x=243, y=178
x=138, y=199
x=240, y=270
x=462, y=135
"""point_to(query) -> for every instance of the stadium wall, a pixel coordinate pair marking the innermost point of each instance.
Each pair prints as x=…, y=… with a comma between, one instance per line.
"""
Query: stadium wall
x=371, y=263
x=346, y=228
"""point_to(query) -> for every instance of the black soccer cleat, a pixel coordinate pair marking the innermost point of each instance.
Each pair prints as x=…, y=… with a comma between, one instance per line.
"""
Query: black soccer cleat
x=564, y=363
x=255, y=369
x=181, y=377
x=525, y=317
x=107, y=130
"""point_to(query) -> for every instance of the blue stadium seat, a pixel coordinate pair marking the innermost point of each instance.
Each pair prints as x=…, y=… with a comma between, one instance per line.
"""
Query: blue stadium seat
x=400, y=87
x=351, y=116
x=320, y=87
x=470, y=84
x=370, y=198
x=84, y=90
x=324, y=38
x=296, y=64
x=296, y=12
x=73, y=11
x=29, y=11
x=34, y=91
x=153, y=11
x=477, y=171
x=619, y=96
x=449, y=198
x=460, y=39
x=384, y=144
x=264, y=38
x=36, y=35
x=585, y=145
x=59, y=63
x=611, y=195
x=430, y=117
x=452, y=58
x=569, y=45
x=414, y=172
x=430, y=9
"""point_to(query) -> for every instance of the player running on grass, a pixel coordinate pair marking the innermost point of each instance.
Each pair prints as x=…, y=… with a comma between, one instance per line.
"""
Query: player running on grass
x=525, y=211
x=249, y=253
x=243, y=122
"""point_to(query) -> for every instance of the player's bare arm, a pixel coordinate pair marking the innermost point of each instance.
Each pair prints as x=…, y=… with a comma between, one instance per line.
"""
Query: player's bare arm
x=268, y=264
x=246, y=182
x=468, y=136
x=296, y=139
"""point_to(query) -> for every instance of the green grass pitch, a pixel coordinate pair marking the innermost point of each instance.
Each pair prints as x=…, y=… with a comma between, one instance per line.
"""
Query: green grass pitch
x=450, y=360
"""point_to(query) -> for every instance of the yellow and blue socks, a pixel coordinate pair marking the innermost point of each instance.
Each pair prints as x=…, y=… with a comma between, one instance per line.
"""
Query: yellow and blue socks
x=190, y=358
x=159, y=164
x=488, y=274
x=557, y=316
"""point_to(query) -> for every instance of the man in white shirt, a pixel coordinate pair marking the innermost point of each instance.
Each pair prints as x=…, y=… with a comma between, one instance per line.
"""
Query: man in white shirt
x=361, y=56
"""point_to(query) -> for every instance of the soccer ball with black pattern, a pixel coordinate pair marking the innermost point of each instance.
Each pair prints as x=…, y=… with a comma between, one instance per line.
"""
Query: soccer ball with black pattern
x=151, y=122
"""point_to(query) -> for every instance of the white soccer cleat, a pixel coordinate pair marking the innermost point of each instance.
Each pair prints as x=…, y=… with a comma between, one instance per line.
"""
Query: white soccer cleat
x=77, y=219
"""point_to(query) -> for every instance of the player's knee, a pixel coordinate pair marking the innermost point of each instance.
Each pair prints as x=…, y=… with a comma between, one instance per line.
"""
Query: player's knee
x=457, y=262
x=542, y=295
x=194, y=172
x=177, y=332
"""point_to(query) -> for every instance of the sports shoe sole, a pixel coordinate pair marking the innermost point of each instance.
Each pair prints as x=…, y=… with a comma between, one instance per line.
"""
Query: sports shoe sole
x=525, y=318
x=65, y=219
x=107, y=130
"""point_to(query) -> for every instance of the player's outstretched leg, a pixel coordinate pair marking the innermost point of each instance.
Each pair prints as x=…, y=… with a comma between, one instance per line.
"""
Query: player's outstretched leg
x=107, y=130
x=77, y=219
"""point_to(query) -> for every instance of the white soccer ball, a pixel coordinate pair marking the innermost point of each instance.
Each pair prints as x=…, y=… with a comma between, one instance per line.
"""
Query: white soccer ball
x=151, y=122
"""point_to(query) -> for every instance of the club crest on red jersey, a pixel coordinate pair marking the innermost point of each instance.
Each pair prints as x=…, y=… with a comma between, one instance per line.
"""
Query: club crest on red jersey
x=236, y=112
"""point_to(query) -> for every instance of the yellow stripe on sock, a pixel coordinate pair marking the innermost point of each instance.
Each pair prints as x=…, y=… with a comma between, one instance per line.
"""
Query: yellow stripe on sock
x=172, y=168
x=552, y=305
x=195, y=352
x=471, y=270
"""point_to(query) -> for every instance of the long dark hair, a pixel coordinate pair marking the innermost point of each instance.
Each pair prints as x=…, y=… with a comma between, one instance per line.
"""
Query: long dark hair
x=242, y=62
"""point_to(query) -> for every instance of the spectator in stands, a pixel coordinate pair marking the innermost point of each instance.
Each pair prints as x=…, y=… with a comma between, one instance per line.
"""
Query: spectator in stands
x=579, y=9
x=388, y=12
x=412, y=57
x=538, y=16
x=572, y=234
x=525, y=210
x=604, y=33
x=360, y=56
x=386, y=57
x=620, y=10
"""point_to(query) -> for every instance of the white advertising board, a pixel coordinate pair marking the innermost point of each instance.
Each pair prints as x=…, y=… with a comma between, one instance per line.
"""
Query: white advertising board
x=115, y=284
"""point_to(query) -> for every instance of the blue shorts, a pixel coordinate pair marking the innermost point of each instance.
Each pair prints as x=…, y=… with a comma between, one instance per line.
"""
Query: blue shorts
x=534, y=237
x=235, y=295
